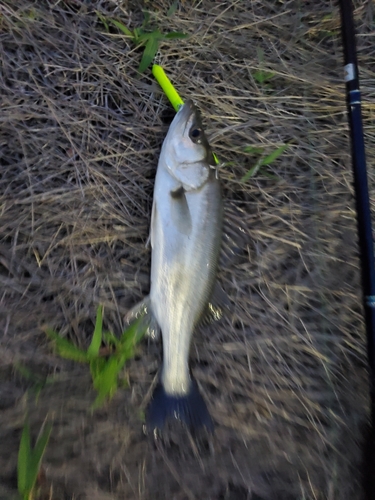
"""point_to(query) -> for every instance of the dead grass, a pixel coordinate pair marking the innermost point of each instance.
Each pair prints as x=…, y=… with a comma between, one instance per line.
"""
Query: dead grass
x=80, y=134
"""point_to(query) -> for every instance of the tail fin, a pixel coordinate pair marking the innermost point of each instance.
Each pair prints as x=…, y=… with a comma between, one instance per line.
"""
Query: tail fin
x=191, y=410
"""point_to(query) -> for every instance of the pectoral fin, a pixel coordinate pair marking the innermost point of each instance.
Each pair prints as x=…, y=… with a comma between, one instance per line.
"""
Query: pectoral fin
x=180, y=212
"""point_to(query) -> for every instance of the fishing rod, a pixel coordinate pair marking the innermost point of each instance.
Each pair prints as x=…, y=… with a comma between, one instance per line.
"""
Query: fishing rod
x=362, y=207
x=366, y=248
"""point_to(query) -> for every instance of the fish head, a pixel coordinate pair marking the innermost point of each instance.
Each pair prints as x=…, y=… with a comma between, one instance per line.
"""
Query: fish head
x=188, y=155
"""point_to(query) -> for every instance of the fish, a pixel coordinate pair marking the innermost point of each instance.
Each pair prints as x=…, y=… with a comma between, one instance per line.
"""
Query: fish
x=185, y=235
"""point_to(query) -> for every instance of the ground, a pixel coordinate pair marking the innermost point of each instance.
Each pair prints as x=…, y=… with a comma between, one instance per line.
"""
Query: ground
x=284, y=372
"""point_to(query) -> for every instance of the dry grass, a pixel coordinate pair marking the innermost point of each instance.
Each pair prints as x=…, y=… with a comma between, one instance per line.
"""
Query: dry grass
x=80, y=134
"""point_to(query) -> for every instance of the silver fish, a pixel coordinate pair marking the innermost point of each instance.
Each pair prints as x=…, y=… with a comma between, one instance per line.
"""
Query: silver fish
x=186, y=229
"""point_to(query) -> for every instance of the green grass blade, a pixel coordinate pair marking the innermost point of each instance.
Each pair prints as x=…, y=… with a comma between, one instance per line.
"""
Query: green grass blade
x=250, y=173
x=103, y=20
x=172, y=9
x=122, y=28
x=262, y=76
x=137, y=32
x=96, y=367
x=23, y=464
x=37, y=455
x=41, y=444
x=145, y=37
x=149, y=54
x=96, y=341
x=131, y=337
x=260, y=54
x=175, y=34
x=274, y=155
x=146, y=18
x=105, y=373
x=105, y=381
x=110, y=339
x=253, y=150
x=66, y=349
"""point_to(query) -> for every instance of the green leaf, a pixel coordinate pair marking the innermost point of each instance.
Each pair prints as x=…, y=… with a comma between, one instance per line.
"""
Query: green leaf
x=96, y=367
x=260, y=54
x=96, y=341
x=110, y=338
x=146, y=18
x=264, y=162
x=274, y=155
x=66, y=349
x=38, y=452
x=103, y=20
x=148, y=54
x=105, y=381
x=262, y=76
x=175, y=34
x=137, y=32
x=172, y=9
x=157, y=35
x=23, y=464
x=132, y=336
x=250, y=173
x=122, y=28
x=29, y=460
x=253, y=150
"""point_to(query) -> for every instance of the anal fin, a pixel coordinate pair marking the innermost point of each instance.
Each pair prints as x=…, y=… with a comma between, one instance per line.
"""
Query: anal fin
x=216, y=307
x=149, y=320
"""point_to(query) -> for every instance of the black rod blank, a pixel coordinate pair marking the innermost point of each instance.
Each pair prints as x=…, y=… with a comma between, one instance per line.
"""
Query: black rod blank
x=366, y=247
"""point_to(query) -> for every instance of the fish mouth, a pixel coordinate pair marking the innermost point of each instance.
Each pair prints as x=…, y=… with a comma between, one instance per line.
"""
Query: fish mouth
x=188, y=115
x=186, y=110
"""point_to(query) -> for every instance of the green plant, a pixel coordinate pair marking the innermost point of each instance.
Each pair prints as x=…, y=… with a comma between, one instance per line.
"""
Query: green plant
x=37, y=381
x=262, y=161
x=105, y=365
x=29, y=461
x=144, y=36
x=262, y=76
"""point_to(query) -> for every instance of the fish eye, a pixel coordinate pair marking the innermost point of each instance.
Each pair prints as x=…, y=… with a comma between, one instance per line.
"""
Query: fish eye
x=196, y=135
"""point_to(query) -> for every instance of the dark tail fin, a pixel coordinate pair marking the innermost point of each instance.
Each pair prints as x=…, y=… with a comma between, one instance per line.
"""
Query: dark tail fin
x=191, y=410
